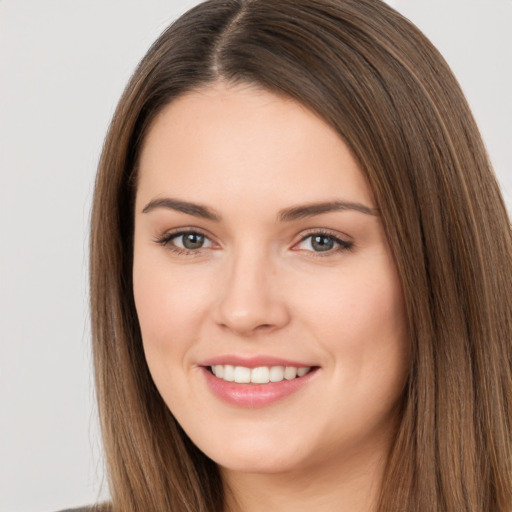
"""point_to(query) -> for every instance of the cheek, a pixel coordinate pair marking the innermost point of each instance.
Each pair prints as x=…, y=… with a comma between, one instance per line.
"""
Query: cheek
x=360, y=321
x=353, y=306
x=361, y=325
x=169, y=304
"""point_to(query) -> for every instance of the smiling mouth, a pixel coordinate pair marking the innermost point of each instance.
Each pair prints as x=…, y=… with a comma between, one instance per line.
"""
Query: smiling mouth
x=259, y=375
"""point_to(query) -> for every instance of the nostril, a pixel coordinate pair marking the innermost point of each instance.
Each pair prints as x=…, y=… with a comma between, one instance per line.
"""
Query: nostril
x=246, y=310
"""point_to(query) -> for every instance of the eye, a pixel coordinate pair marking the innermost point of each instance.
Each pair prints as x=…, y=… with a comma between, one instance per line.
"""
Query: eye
x=190, y=241
x=323, y=243
x=185, y=242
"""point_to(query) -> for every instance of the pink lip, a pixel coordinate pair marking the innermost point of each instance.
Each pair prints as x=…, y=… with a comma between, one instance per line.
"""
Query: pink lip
x=254, y=395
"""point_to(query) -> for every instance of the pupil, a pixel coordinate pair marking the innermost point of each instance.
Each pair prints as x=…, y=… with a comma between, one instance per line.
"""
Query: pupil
x=322, y=243
x=193, y=241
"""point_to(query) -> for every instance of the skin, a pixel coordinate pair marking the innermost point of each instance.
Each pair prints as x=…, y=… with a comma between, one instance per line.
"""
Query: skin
x=259, y=286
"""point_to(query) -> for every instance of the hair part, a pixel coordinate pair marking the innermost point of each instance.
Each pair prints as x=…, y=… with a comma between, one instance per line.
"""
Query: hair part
x=372, y=76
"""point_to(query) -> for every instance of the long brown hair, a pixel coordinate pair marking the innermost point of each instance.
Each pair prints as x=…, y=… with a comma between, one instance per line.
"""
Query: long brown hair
x=378, y=81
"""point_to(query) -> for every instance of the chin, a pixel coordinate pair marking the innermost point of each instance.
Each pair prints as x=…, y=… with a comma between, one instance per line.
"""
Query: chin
x=258, y=464
x=251, y=456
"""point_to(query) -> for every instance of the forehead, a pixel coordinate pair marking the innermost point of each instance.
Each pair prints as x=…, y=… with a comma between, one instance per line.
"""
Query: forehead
x=245, y=141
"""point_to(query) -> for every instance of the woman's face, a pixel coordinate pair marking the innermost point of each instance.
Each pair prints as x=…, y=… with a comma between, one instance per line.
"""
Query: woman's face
x=260, y=256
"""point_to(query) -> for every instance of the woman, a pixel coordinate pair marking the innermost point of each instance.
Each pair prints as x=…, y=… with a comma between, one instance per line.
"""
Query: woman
x=300, y=272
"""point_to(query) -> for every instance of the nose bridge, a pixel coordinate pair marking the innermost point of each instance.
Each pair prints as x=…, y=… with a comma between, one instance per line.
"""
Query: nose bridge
x=249, y=299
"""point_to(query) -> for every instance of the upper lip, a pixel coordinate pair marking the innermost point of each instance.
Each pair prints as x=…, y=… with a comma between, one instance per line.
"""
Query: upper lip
x=253, y=362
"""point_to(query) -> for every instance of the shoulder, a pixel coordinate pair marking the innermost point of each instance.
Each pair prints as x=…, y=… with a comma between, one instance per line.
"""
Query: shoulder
x=98, y=507
x=80, y=509
x=90, y=508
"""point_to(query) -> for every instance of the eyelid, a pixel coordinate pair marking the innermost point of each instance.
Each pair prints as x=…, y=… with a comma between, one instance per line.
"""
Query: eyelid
x=343, y=241
x=166, y=237
x=340, y=240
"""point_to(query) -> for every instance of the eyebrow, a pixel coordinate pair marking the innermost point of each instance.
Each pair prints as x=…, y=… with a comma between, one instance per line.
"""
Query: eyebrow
x=194, y=209
x=310, y=210
x=286, y=215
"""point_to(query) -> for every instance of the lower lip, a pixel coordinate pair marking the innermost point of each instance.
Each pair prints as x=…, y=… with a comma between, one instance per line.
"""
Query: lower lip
x=255, y=395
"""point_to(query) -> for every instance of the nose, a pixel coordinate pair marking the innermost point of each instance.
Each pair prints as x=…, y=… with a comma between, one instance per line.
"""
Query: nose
x=250, y=301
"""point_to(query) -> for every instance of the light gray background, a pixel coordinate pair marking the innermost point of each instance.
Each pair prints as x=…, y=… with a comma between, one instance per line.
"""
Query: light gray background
x=63, y=65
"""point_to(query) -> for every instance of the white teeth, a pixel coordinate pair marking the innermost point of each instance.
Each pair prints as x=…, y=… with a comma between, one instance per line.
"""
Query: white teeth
x=259, y=375
x=302, y=371
x=242, y=375
x=290, y=372
x=276, y=373
x=229, y=373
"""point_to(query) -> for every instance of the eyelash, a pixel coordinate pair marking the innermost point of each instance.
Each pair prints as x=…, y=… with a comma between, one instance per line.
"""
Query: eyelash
x=167, y=238
x=342, y=245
